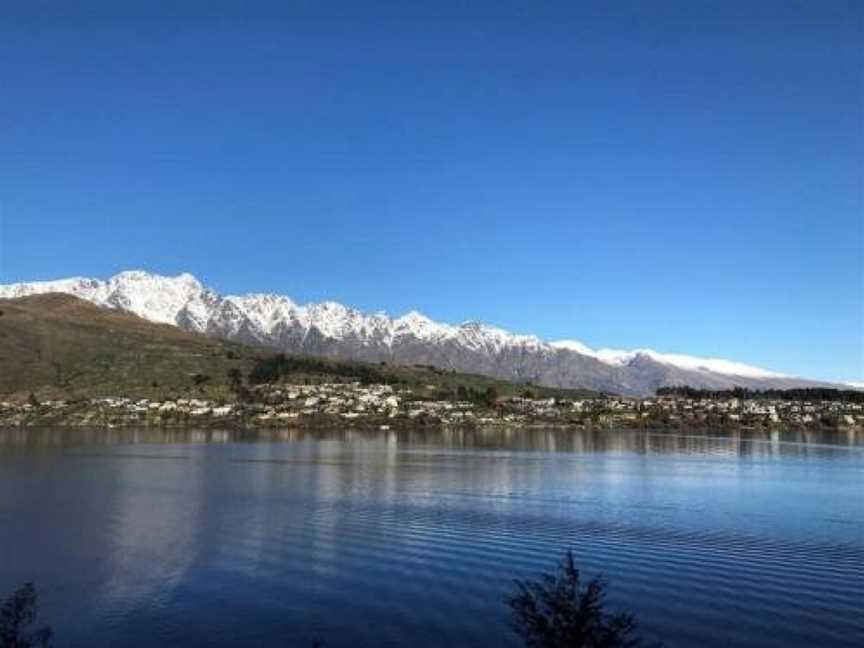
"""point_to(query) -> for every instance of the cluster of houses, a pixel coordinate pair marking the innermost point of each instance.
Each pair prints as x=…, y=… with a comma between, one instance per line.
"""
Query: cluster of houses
x=386, y=406
x=741, y=411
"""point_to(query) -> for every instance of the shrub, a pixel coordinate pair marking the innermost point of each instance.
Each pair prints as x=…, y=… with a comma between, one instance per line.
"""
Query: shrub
x=558, y=611
x=17, y=615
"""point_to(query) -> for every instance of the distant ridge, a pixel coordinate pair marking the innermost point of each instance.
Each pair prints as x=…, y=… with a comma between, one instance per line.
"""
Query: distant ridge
x=332, y=330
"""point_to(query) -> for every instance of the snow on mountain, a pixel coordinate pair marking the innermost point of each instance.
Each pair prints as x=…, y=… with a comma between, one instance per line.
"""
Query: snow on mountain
x=573, y=345
x=266, y=311
x=153, y=297
x=335, y=330
x=616, y=357
x=419, y=326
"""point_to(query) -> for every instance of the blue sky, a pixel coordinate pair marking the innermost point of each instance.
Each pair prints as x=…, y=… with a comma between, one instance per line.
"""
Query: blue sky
x=685, y=176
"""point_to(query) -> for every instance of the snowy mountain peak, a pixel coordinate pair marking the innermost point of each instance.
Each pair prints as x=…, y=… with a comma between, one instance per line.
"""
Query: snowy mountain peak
x=421, y=327
x=137, y=275
x=414, y=321
x=331, y=328
x=414, y=317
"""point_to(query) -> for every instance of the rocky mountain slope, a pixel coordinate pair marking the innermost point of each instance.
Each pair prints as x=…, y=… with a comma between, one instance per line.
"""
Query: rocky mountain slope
x=332, y=330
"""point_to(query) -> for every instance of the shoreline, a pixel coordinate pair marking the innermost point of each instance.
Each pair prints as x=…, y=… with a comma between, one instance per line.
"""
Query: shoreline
x=383, y=407
x=329, y=422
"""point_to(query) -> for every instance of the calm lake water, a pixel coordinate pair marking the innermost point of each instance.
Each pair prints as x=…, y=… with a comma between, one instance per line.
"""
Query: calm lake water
x=141, y=538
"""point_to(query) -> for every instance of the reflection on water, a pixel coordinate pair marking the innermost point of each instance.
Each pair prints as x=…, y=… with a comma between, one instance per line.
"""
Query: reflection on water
x=142, y=537
x=746, y=442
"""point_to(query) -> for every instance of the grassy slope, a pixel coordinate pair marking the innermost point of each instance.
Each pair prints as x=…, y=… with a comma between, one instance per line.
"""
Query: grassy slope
x=60, y=346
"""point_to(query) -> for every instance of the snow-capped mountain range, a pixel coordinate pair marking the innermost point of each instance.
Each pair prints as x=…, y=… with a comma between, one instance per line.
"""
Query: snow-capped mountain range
x=333, y=330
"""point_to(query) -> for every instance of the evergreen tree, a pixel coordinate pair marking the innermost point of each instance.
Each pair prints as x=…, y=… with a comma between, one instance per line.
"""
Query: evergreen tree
x=559, y=611
x=17, y=615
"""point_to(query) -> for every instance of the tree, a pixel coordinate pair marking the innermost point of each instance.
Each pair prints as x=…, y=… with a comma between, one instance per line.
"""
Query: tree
x=235, y=378
x=32, y=400
x=17, y=615
x=490, y=396
x=199, y=379
x=558, y=611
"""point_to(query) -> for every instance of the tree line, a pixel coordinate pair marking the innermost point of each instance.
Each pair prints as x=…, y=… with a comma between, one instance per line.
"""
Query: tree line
x=272, y=369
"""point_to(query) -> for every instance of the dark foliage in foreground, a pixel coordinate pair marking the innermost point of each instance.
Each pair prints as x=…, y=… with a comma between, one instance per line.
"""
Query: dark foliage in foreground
x=558, y=611
x=17, y=616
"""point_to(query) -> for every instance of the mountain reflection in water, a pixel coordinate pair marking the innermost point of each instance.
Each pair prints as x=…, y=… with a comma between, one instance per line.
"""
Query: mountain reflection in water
x=749, y=442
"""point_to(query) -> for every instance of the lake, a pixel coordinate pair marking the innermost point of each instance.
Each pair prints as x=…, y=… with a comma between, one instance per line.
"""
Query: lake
x=142, y=537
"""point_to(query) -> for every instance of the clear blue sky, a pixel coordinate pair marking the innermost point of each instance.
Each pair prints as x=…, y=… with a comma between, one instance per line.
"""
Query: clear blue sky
x=680, y=175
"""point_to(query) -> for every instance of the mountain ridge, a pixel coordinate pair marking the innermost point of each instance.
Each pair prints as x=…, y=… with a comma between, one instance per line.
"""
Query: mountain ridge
x=56, y=346
x=331, y=329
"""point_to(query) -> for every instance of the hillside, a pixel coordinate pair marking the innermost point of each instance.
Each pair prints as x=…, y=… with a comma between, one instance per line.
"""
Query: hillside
x=60, y=346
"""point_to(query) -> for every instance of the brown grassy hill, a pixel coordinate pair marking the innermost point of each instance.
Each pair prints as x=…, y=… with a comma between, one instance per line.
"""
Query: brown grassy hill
x=59, y=345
